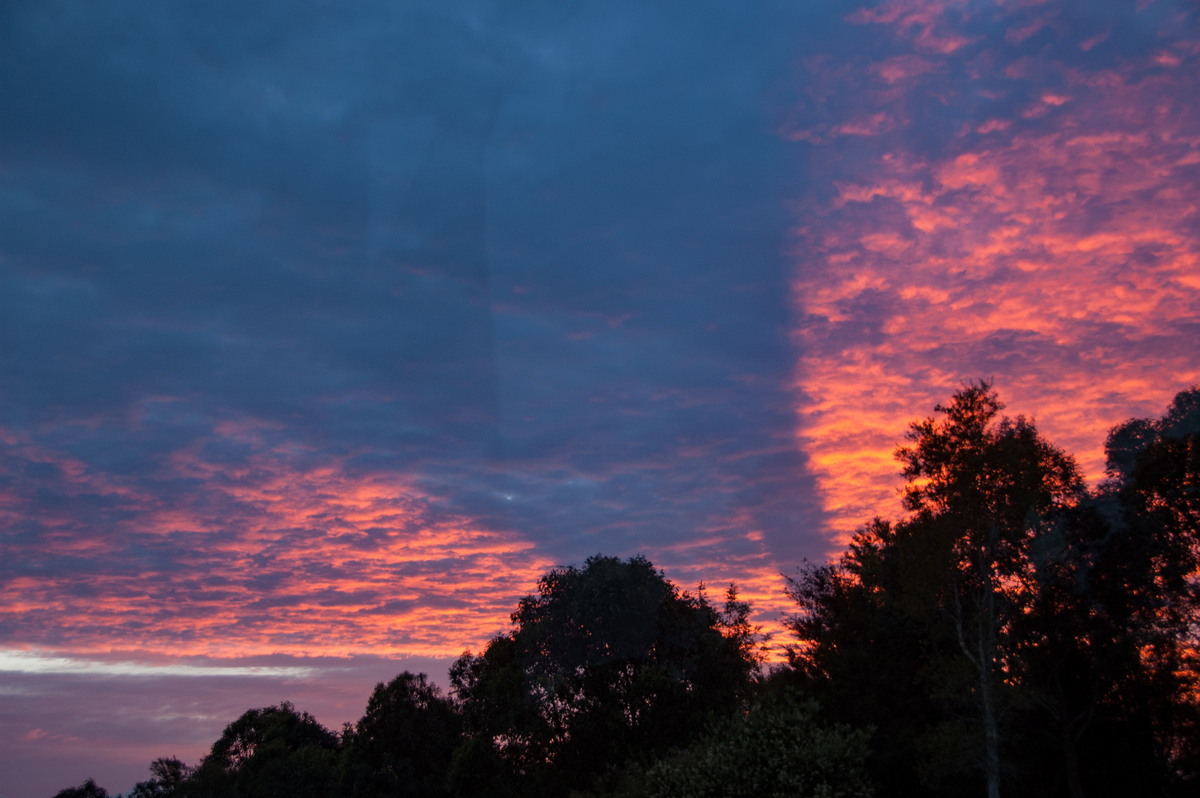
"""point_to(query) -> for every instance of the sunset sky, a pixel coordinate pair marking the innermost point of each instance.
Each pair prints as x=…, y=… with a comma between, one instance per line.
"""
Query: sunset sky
x=326, y=328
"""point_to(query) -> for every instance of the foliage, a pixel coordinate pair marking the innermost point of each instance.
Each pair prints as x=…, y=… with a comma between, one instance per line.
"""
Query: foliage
x=1034, y=635
x=88, y=789
x=268, y=752
x=735, y=625
x=402, y=746
x=167, y=777
x=605, y=665
x=778, y=749
x=1107, y=657
x=936, y=595
x=874, y=655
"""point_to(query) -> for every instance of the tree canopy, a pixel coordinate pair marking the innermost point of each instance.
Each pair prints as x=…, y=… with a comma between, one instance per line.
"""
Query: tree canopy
x=606, y=664
x=1015, y=630
x=265, y=753
x=403, y=745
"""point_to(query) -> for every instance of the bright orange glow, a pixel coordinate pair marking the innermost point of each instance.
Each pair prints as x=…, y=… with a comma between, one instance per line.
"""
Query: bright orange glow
x=272, y=556
x=707, y=561
x=1055, y=250
x=316, y=561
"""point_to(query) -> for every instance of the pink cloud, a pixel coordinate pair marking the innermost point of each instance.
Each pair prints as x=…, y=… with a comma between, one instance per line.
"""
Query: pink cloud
x=1059, y=255
x=273, y=556
x=926, y=24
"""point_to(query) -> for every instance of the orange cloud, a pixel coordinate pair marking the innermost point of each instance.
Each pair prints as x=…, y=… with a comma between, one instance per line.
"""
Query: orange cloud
x=1058, y=253
x=271, y=556
x=923, y=21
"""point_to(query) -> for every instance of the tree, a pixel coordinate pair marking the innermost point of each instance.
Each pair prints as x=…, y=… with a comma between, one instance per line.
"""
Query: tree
x=873, y=649
x=88, y=789
x=1147, y=575
x=1154, y=468
x=500, y=720
x=938, y=595
x=779, y=748
x=269, y=752
x=734, y=623
x=1107, y=642
x=986, y=487
x=606, y=664
x=402, y=746
x=167, y=777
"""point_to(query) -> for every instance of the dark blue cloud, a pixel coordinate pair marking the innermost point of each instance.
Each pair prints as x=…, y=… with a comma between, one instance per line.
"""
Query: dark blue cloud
x=458, y=242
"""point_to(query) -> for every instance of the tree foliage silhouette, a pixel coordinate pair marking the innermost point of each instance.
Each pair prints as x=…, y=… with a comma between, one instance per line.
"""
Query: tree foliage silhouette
x=168, y=775
x=1013, y=624
x=777, y=748
x=269, y=752
x=403, y=744
x=606, y=664
x=89, y=789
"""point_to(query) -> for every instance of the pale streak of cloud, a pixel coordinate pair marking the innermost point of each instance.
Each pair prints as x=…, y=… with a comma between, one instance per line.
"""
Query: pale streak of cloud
x=35, y=662
x=1053, y=245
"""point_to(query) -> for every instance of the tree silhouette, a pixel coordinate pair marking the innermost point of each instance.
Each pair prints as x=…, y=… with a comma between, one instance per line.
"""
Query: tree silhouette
x=606, y=664
x=403, y=744
x=269, y=752
x=938, y=594
x=88, y=789
x=168, y=775
x=986, y=488
x=779, y=747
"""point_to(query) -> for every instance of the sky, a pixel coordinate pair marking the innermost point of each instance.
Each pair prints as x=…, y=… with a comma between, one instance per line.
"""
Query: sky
x=327, y=328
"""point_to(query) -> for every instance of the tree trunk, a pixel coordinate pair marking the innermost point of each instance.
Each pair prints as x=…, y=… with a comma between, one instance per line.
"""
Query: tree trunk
x=988, y=623
x=991, y=724
x=1071, y=758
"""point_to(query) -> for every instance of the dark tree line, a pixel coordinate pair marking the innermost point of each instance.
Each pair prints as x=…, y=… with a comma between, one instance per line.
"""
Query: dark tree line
x=1013, y=634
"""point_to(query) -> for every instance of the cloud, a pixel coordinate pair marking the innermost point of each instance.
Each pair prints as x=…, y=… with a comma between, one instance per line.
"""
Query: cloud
x=1049, y=241
x=264, y=554
x=32, y=662
x=329, y=331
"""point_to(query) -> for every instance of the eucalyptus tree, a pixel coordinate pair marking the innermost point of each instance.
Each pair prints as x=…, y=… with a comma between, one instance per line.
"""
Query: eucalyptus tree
x=919, y=615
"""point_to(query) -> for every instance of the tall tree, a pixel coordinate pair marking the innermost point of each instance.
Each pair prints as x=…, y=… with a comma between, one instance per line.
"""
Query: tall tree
x=873, y=648
x=986, y=486
x=937, y=594
x=403, y=744
x=1107, y=644
x=1151, y=565
x=605, y=664
x=268, y=752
